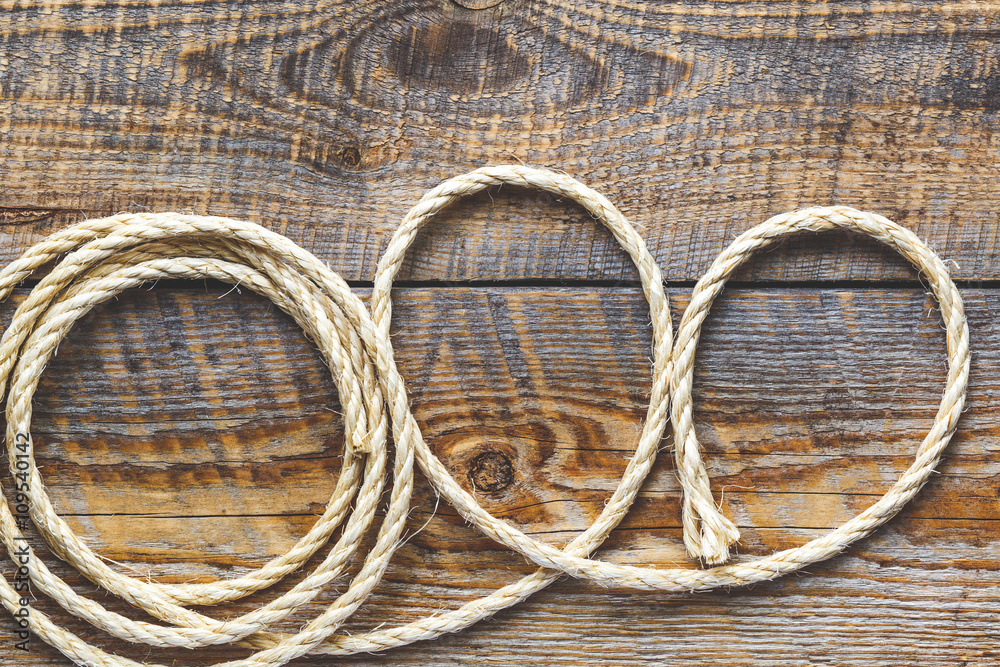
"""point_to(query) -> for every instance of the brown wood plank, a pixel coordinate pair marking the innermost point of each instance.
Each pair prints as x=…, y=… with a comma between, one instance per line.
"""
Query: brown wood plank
x=328, y=120
x=189, y=436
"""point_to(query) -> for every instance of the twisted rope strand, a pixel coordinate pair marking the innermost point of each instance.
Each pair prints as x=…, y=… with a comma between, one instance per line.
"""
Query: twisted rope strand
x=101, y=258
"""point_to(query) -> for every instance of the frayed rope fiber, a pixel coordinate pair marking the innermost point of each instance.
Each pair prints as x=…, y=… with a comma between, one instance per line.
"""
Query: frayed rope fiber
x=98, y=259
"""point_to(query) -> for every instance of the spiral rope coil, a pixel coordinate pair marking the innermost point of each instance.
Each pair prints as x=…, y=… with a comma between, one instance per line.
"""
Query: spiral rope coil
x=98, y=259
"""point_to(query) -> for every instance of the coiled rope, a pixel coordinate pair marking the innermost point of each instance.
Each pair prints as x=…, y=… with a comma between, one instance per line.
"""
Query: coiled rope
x=113, y=254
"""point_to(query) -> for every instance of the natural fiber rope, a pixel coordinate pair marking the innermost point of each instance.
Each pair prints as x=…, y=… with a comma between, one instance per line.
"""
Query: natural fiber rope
x=113, y=254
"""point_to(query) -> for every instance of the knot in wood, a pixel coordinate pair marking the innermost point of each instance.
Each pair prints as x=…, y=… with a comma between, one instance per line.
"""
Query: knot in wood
x=491, y=471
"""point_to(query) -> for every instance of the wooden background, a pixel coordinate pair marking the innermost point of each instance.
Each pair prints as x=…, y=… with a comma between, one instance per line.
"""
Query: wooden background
x=191, y=435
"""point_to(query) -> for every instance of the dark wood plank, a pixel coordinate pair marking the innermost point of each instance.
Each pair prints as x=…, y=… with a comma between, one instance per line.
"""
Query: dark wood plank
x=184, y=453
x=327, y=121
x=220, y=442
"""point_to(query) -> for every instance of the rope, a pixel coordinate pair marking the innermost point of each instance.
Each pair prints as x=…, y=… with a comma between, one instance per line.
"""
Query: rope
x=98, y=259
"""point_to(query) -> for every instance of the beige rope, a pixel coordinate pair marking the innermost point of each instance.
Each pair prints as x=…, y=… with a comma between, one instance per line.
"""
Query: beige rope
x=113, y=254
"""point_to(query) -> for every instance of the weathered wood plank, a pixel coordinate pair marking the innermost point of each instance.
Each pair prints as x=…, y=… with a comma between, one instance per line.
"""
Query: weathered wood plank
x=220, y=443
x=185, y=453
x=327, y=120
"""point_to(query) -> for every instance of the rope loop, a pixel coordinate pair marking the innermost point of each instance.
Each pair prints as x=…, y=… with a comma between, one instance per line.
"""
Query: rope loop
x=98, y=259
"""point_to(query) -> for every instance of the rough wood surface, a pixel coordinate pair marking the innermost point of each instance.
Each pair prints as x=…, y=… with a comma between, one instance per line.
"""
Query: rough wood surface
x=211, y=455
x=190, y=437
x=326, y=120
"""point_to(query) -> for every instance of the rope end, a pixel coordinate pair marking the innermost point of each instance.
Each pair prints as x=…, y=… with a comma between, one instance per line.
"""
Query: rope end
x=717, y=534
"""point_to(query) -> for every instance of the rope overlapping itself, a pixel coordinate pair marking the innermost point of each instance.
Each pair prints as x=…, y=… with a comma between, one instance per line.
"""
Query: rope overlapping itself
x=98, y=259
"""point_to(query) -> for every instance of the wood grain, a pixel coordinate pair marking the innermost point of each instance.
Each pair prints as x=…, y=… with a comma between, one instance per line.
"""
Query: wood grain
x=220, y=442
x=191, y=437
x=327, y=121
